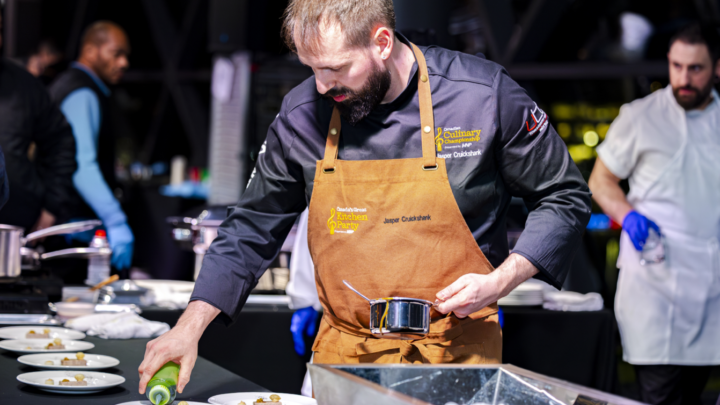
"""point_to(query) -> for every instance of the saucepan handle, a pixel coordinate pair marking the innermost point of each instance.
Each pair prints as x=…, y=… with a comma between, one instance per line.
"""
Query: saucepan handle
x=82, y=253
x=72, y=227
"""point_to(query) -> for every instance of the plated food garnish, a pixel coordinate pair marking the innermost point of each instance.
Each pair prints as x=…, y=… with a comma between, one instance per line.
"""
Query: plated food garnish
x=56, y=345
x=34, y=335
x=274, y=399
x=78, y=361
x=79, y=381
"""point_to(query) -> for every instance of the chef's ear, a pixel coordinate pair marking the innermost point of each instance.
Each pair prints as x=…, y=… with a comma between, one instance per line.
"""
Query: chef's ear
x=717, y=71
x=383, y=41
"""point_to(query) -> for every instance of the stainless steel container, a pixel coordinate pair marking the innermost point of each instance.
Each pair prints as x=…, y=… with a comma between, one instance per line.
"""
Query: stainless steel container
x=197, y=233
x=400, y=318
x=123, y=292
x=405, y=384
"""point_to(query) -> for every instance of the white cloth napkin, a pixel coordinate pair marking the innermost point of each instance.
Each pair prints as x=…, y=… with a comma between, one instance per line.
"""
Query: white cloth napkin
x=124, y=325
x=168, y=297
x=572, y=301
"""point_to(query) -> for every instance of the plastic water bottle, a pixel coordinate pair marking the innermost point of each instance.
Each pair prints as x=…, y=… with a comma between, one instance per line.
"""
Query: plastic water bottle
x=98, y=266
x=653, y=251
x=162, y=388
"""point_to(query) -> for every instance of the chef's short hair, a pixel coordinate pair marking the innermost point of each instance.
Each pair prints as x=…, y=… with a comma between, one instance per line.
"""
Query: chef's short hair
x=697, y=33
x=98, y=33
x=356, y=19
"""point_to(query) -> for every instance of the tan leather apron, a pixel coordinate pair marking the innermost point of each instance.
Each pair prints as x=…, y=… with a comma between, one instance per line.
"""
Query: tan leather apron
x=393, y=228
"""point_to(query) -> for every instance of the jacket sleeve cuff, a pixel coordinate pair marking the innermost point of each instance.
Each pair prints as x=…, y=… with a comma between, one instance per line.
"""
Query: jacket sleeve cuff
x=543, y=274
x=222, y=316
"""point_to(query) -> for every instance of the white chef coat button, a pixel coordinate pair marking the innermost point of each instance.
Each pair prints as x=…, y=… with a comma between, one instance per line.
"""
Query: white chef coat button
x=427, y=129
x=333, y=131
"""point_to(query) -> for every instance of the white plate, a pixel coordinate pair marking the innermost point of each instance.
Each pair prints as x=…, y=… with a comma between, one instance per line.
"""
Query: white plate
x=19, y=332
x=177, y=401
x=94, y=361
x=172, y=285
x=38, y=346
x=250, y=397
x=96, y=381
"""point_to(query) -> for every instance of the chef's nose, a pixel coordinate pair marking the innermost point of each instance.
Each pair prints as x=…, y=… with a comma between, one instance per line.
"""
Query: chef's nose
x=323, y=82
x=684, y=77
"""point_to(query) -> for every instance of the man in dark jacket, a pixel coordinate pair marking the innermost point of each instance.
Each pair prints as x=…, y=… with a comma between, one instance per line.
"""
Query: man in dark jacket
x=39, y=151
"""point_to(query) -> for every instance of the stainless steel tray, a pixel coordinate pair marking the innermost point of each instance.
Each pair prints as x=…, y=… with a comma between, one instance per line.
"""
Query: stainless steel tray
x=28, y=319
x=400, y=384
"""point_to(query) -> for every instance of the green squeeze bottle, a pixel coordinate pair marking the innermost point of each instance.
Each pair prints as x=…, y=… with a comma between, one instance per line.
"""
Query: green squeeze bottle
x=162, y=387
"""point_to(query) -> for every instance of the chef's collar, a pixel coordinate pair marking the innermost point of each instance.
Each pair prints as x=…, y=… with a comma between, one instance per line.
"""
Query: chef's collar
x=410, y=86
x=103, y=87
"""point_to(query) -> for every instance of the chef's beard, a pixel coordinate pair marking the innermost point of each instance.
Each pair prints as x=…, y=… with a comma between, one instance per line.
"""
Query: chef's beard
x=691, y=103
x=358, y=104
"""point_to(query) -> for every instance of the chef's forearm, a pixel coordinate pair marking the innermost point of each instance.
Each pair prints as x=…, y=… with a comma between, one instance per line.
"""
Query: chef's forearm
x=196, y=318
x=607, y=192
x=514, y=270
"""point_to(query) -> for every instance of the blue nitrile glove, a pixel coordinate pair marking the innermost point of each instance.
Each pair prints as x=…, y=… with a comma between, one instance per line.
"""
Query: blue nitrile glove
x=303, y=320
x=637, y=228
x=121, y=241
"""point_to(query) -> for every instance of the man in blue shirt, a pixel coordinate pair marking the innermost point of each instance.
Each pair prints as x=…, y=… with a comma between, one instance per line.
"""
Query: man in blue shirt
x=83, y=96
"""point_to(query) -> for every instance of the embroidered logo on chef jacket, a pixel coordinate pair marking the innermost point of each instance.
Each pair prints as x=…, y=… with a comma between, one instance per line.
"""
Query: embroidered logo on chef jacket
x=346, y=220
x=453, y=139
x=262, y=150
x=537, y=122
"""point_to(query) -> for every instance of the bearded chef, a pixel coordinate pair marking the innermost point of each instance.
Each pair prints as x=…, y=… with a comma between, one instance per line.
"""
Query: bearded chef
x=668, y=146
x=408, y=158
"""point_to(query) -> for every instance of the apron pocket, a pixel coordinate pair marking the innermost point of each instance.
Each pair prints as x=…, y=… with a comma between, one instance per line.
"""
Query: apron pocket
x=465, y=354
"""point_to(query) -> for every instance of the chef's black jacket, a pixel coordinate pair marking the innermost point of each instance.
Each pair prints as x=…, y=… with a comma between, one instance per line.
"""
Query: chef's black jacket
x=497, y=144
x=28, y=116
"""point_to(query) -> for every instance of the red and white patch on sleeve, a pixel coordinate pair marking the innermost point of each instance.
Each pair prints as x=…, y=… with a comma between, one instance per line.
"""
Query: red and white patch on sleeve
x=537, y=121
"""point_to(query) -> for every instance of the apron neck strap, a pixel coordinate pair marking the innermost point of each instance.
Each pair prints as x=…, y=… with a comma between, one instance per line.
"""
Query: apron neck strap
x=426, y=122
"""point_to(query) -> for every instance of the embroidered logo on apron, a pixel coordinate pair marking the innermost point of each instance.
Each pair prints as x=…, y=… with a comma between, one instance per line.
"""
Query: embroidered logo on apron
x=348, y=219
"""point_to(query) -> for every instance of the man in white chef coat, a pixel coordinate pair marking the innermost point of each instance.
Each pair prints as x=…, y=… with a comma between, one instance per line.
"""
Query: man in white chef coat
x=668, y=146
x=303, y=294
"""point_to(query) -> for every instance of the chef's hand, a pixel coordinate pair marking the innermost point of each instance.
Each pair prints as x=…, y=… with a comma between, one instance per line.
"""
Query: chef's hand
x=303, y=320
x=473, y=292
x=179, y=345
x=637, y=227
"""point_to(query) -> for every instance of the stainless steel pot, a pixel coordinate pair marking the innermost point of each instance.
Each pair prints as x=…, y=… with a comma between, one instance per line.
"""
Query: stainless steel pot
x=398, y=317
x=12, y=244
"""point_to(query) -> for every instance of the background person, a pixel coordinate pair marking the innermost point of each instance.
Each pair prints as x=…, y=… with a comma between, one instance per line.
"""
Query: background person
x=667, y=144
x=39, y=152
x=83, y=96
x=303, y=295
x=45, y=56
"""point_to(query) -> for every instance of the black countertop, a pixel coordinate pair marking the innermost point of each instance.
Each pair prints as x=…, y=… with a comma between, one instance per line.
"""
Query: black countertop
x=207, y=378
